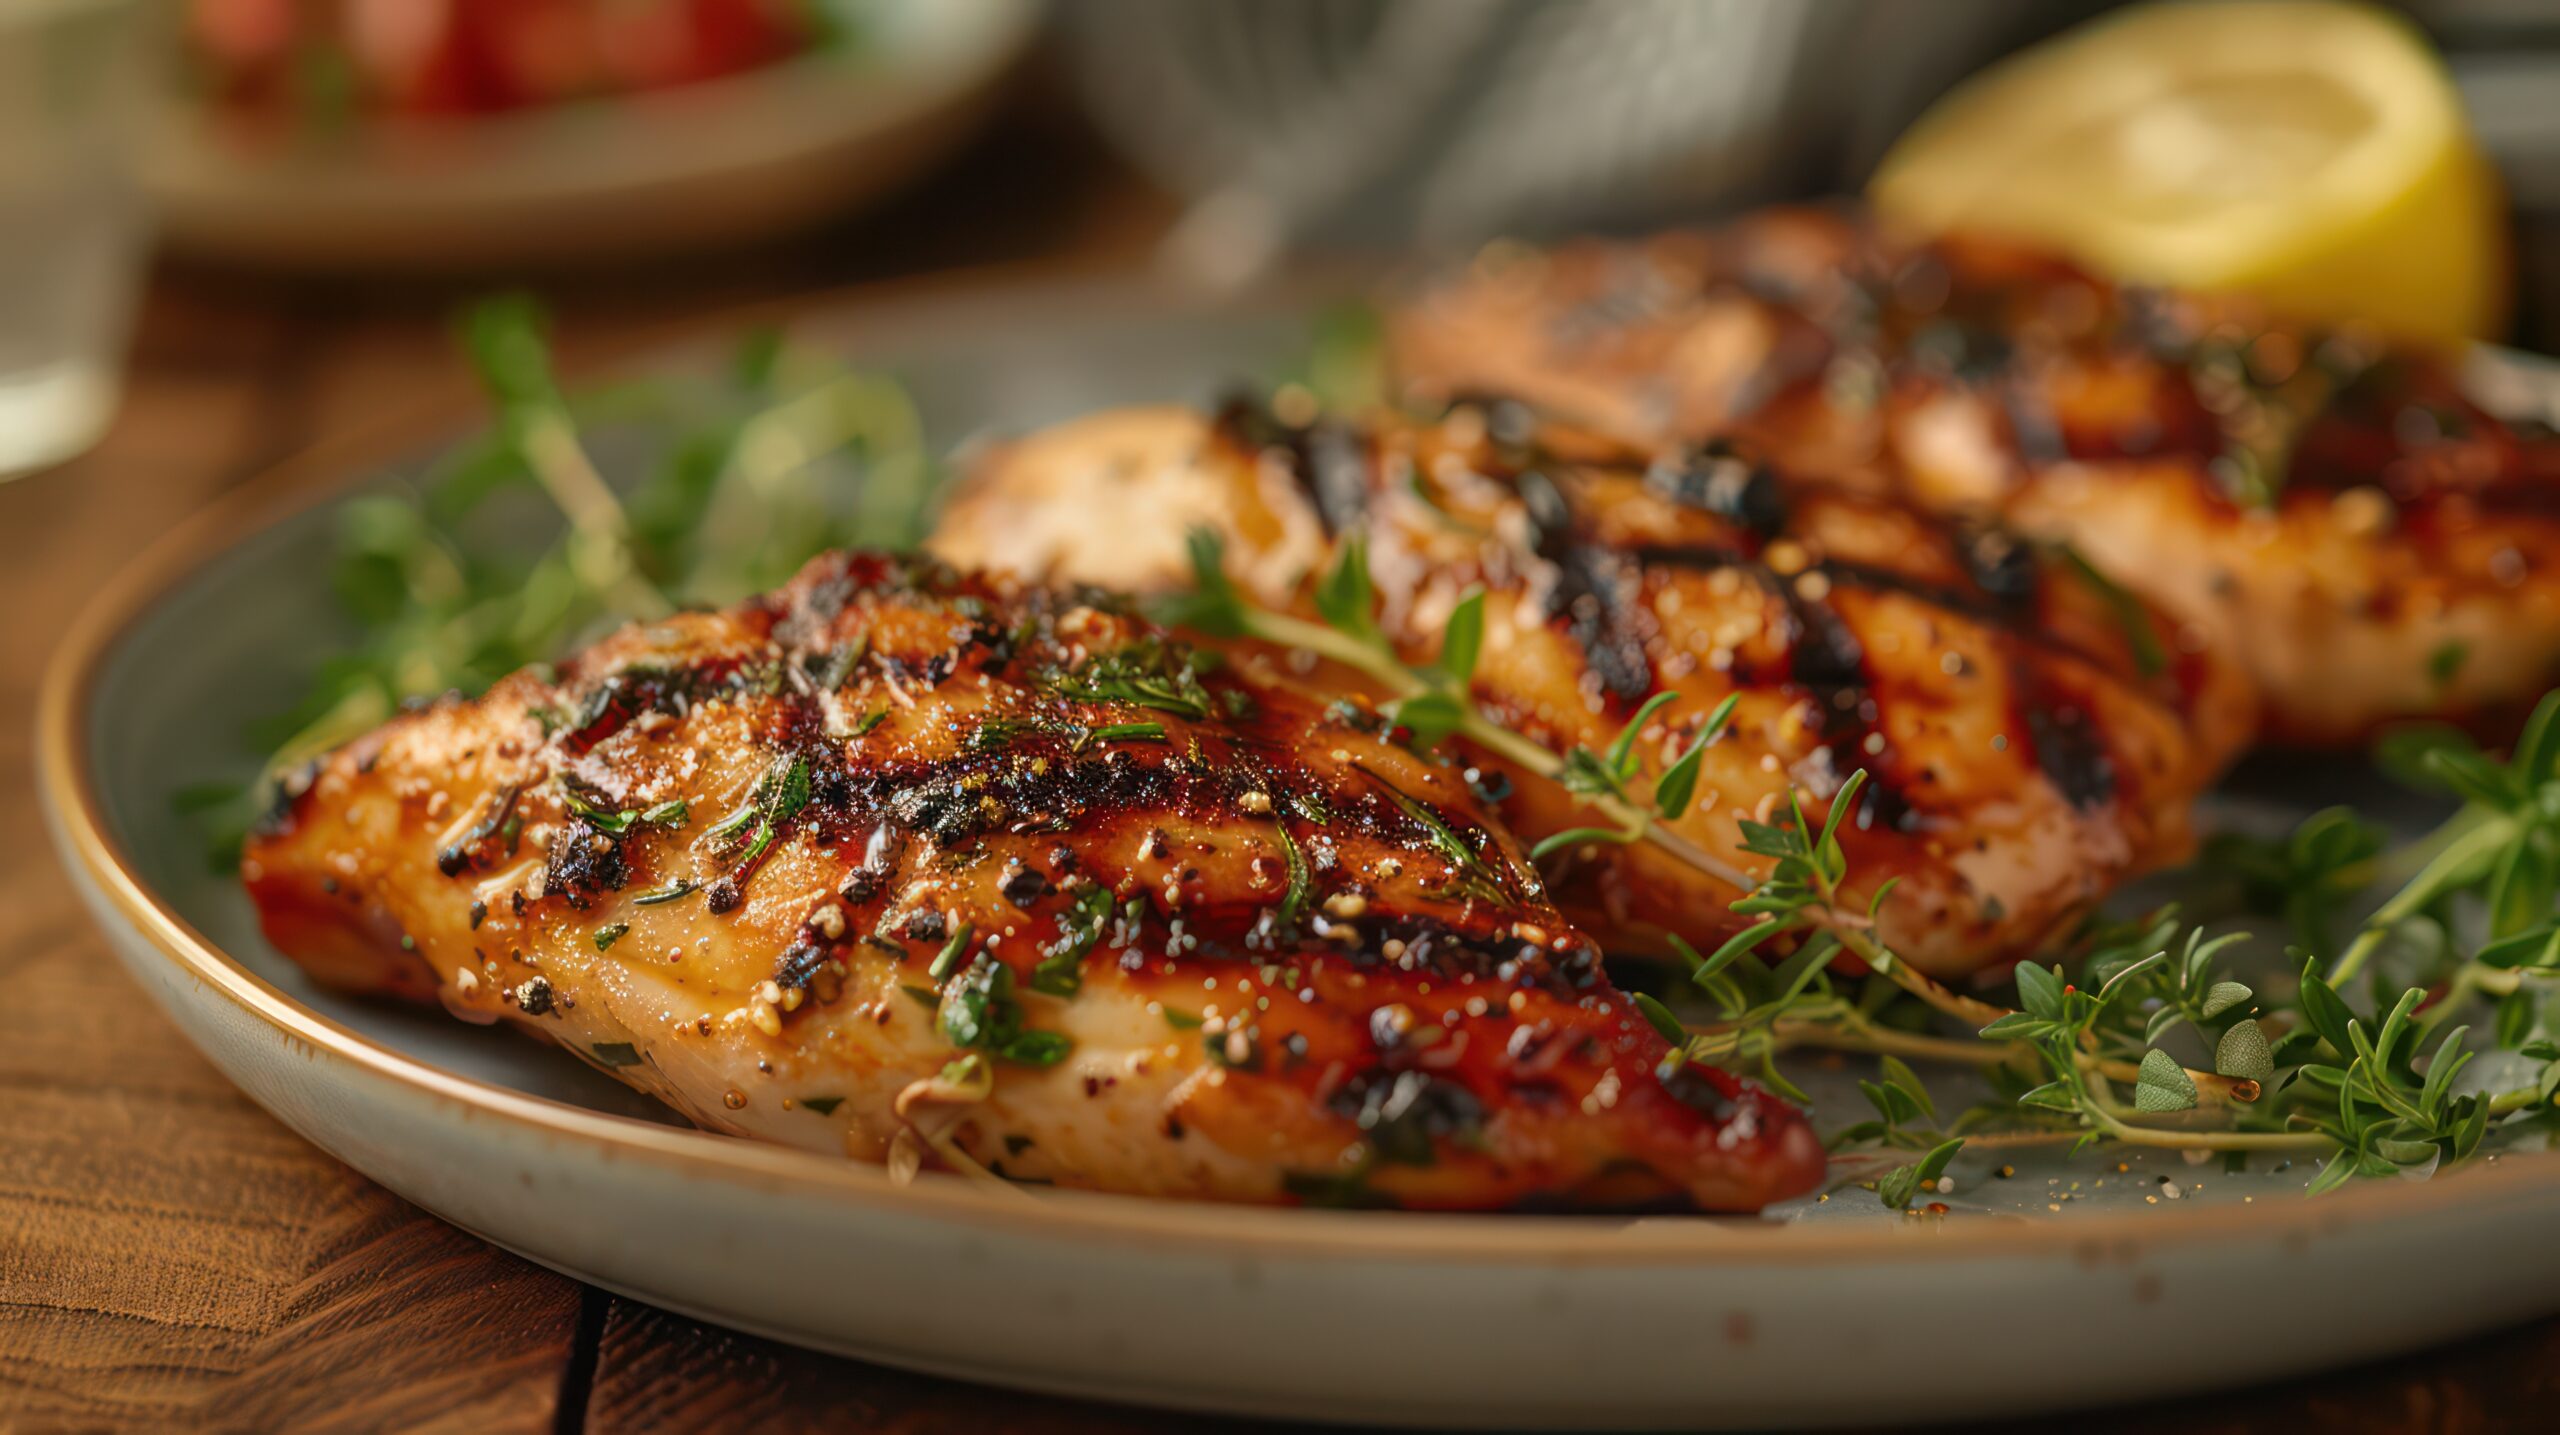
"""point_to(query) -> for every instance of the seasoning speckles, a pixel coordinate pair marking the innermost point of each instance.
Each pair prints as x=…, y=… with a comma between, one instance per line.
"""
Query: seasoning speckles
x=1010, y=878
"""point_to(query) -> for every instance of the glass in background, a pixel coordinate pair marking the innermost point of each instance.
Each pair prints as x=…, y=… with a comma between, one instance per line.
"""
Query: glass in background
x=75, y=88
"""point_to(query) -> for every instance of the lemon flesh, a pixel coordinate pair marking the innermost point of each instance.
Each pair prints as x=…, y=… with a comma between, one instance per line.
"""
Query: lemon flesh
x=2311, y=153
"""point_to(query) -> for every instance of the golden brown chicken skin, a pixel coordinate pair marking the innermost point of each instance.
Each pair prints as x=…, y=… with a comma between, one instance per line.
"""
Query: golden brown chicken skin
x=903, y=864
x=2368, y=541
x=2031, y=736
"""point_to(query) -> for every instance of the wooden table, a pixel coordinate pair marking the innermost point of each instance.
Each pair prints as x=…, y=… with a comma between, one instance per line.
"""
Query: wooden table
x=172, y=1258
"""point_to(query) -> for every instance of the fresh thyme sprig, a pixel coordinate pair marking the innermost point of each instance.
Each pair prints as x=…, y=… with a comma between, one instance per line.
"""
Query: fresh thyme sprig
x=1432, y=702
x=2090, y=1057
x=2504, y=843
x=788, y=454
x=2376, y=1095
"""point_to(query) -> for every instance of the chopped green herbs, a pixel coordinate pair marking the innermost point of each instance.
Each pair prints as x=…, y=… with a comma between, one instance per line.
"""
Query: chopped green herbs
x=669, y=814
x=1149, y=673
x=610, y=933
x=778, y=796
x=1294, y=900
x=1061, y=972
x=947, y=960
x=1125, y=732
x=1469, y=875
x=980, y=1012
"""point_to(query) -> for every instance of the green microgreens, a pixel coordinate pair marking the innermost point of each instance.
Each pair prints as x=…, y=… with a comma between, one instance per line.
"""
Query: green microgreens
x=785, y=455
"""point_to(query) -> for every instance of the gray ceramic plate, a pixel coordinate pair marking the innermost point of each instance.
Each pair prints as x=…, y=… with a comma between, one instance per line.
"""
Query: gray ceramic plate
x=2065, y=1282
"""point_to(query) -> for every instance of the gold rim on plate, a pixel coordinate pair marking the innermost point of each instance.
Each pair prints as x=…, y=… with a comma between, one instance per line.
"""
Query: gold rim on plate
x=63, y=768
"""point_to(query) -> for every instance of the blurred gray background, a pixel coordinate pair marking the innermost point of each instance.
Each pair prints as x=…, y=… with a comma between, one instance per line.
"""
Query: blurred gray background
x=1294, y=123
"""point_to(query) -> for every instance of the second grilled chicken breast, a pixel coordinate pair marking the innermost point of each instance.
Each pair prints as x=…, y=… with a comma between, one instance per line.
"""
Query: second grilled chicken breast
x=2033, y=735
x=908, y=865
x=2370, y=543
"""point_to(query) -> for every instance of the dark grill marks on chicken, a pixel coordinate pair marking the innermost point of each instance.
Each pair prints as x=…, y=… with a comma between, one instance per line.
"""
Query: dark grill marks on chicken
x=1329, y=458
x=898, y=855
x=1592, y=593
x=1859, y=633
x=2291, y=493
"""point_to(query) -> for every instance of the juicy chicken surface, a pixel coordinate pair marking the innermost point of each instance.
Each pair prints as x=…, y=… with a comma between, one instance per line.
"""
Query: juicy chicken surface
x=896, y=861
x=2031, y=734
x=2368, y=541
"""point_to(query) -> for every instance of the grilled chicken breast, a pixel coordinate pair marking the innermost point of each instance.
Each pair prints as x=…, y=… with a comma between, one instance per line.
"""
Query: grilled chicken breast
x=901, y=863
x=2369, y=542
x=2032, y=735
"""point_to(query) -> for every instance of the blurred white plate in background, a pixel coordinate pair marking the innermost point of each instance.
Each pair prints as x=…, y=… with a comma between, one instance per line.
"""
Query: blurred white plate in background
x=654, y=173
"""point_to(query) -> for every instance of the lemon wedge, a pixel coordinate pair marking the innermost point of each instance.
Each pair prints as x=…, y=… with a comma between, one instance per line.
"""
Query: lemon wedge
x=2311, y=153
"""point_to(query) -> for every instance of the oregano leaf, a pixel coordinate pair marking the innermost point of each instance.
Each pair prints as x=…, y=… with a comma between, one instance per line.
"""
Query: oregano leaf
x=2039, y=991
x=1463, y=639
x=2052, y=1096
x=2223, y=996
x=2242, y=1054
x=2163, y=1085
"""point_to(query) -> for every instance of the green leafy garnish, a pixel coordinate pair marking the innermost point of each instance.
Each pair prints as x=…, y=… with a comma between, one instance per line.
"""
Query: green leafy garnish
x=947, y=961
x=980, y=1012
x=739, y=484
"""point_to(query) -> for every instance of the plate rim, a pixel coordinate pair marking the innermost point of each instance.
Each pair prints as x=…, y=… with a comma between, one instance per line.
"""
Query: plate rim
x=324, y=472
x=191, y=154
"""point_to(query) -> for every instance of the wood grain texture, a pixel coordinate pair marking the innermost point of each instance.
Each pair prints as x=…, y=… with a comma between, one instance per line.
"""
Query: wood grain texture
x=170, y=1257
x=173, y=1259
